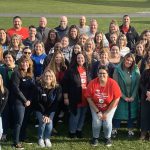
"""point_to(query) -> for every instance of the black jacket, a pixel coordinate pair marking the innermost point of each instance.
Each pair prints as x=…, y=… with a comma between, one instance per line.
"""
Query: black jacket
x=47, y=99
x=132, y=37
x=22, y=88
x=3, y=99
x=72, y=86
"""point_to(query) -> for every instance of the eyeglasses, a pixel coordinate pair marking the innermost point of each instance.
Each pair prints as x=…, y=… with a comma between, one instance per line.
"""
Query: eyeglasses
x=27, y=53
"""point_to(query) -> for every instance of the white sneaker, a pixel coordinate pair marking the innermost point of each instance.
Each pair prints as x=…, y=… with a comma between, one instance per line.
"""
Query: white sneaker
x=41, y=143
x=48, y=143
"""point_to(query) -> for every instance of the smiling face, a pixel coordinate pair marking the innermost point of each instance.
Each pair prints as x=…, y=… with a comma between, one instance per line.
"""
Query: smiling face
x=77, y=49
x=15, y=41
x=99, y=38
x=128, y=62
x=9, y=61
x=38, y=49
x=2, y=34
x=17, y=23
x=65, y=42
x=24, y=65
x=102, y=75
x=126, y=21
x=48, y=77
x=52, y=35
x=58, y=58
x=80, y=59
x=82, y=21
x=73, y=33
x=43, y=22
x=140, y=50
x=114, y=51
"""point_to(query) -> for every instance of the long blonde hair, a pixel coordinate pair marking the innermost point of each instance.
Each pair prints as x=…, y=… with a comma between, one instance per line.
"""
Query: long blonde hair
x=53, y=83
x=52, y=64
x=1, y=85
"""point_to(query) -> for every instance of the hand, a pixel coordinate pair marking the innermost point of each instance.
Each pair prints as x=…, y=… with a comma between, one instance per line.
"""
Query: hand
x=99, y=114
x=104, y=116
x=148, y=94
x=131, y=99
x=127, y=99
x=46, y=119
x=27, y=103
x=66, y=101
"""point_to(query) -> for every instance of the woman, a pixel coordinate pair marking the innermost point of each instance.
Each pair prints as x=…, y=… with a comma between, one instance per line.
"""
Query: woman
x=127, y=75
x=38, y=57
x=98, y=39
x=82, y=40
x=113, y=28
x=73, y=35
x=3, y=40
x=113, y=39
x=122, y=43
x=16, y=45
x=115, y=57
x=6, y=71
x=48, y=94
x=51, y=40
x=103, y=61
x=103, y=94
x=74, y=87
x=145, y=102
x=3, y=101
x=22, y=87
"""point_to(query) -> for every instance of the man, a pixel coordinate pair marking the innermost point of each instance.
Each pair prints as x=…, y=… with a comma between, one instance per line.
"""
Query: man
x=63, y=28
x=130, y=32
x=31, y=40
x=42, y=30
x=18, y=29
x=94, y=29
x=83, y=28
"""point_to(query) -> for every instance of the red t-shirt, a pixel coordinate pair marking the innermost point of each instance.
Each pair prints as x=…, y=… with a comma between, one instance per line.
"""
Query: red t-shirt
x=23, y=32
x=83, y=77
x=125, y=29
x=103, y=96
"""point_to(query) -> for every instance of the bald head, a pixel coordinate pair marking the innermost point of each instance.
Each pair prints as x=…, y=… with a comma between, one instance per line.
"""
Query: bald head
x=63, y=22
x=82, y=21
x=43, y=22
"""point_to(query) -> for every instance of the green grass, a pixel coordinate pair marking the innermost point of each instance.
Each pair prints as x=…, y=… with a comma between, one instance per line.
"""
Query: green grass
x=63, y=142
x=139, y=23
x=74, y=6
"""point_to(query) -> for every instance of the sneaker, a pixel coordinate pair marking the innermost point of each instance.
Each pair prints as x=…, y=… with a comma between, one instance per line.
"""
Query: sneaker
x=41, y=143
x=130, y=133
x=19, y=146
x=114, y=133
x=79, y=134
x=48, y=143
x=108, y=142
x=94, y=142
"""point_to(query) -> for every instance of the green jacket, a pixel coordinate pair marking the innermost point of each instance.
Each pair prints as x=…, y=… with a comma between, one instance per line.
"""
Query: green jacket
x=126, y=110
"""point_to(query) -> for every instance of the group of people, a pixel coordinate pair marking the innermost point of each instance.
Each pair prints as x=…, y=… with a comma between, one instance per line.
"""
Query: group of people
x=49, y=72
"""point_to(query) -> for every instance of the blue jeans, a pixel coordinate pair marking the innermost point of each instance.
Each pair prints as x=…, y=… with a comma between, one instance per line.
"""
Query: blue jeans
x=1, y=127
x=44, y=129
x=98, y=123
x=19, y=111
x=76, y=122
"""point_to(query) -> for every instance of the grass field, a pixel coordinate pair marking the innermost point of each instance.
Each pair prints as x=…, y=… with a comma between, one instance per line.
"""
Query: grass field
x=74, y=6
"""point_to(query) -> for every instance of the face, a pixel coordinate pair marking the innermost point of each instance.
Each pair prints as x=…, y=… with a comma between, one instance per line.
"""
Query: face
x=113, y=38
x=9, y=60
x=89, y=46
x=58, y=46
x=99, y=38
x=93, y=26
x=102, y=75
x=15, y=41
x=38, y=49
x=65, y=41
x=126, y=21
x=2, y=34
x=17, y=23
x=77, y=49
x=25, y=65
x=32, y=31
x=128, y=62
x=140, y=49
x=113, y=28
x=121, y=42
x=104, y=56
x=48, y=77
x=52, y=35
x=80, y=59
x=73, y=33
x=27, y=52
x=63, y=22
x=82, y=39
x=115, y=51
x=58, y=59
x=82, y=21
x=147, y=35
x=43, y=22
